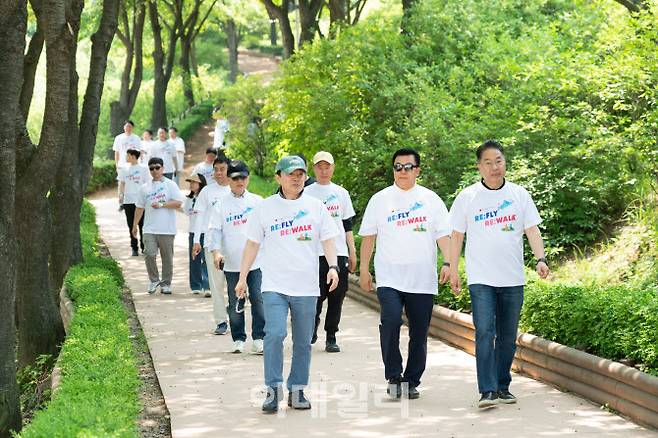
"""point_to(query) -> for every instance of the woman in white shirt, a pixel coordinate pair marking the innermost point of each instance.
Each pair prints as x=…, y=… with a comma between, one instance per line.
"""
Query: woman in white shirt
x=198, y=269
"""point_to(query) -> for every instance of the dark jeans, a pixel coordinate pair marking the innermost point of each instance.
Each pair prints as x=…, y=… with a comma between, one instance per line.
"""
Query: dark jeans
x=198, y=268
x=129, y=210
x=496, y=312
x=418, y=309
x=236, y=319
x=334, y=299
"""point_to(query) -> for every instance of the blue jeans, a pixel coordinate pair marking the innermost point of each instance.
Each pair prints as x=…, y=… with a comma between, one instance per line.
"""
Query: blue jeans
x=198, y=268
x=496, y=312
x=418, y=308
x=255, y=297
x=302, y=313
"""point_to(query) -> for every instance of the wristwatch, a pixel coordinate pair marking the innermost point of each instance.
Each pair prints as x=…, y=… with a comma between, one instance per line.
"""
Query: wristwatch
x=335, y=268
x=542, y=259
x=446, y=264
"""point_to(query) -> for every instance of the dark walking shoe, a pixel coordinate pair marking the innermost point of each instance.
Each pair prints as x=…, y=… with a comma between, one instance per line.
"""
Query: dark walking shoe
x=394, y=389
x=413, y=393
x=314, y=338
x=297, y=400
x=135, y=253
x=221, y=328
x=272, y=399
x=331, y=346
x=506, y=397
x=488, y=399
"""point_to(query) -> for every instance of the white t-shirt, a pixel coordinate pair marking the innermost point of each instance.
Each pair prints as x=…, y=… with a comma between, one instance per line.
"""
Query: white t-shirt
x=161, y=220
x=206, y=170
x=208, y=198
x=494, y=222
x=339, y=205
x=166, y=151
x=230, y=218
x=407, y=224
x=146, y=151
x=188, y=209
x=122, y=143
x=179, y=143
x=221, y=128
x=134, y=176
x=290, y=233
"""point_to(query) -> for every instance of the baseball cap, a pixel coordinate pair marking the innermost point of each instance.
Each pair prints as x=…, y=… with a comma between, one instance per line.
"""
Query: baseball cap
x=323, y=156
x=237, y=168
x=290, y=163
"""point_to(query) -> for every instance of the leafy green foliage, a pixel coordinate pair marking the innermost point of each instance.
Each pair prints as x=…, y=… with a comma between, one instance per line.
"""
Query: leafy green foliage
x=104, y=175
x=34, y=387
x=98, y=394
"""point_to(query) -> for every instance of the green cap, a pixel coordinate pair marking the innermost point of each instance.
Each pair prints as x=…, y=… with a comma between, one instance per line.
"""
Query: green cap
x=290, y=163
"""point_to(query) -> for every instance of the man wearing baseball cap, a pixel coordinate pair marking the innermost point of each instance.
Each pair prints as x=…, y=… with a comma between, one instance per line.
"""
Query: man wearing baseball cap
x=228, y=228
x=339, y=206
x=293, y=229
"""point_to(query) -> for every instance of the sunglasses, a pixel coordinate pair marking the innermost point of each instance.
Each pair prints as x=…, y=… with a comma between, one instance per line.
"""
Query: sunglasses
x=152, y=168
x=407, y=167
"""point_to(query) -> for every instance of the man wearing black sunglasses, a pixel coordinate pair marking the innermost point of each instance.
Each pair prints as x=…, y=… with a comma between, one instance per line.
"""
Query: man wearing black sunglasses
x=158, y=201
x=407, y=221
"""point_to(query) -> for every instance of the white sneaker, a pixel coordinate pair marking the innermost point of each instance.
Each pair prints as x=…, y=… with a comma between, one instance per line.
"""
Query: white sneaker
x=165, y=290
x=153, y=285
x=196, y=292
x=206, y=293
x=257, y=346
x=238, y=346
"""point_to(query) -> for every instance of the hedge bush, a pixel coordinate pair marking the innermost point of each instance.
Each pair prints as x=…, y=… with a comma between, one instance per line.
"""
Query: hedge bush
x=104, y=175
x=98, y=395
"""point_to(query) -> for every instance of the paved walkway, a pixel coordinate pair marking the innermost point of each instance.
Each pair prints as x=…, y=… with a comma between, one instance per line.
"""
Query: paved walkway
x=211, y=392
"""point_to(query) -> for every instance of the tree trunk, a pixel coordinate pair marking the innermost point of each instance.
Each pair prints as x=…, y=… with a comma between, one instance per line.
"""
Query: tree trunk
x=287, y=35
x=13, y=24
x=232, y=44
x=185, y=64
x=273, y=35
x=407, y=6
x=75, y=170
x=40, y=328
x=193, y=60
x=337, y=15
x=308, y=17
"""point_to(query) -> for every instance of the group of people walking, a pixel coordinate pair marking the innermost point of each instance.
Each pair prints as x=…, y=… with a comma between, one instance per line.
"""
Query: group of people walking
x=292, y=251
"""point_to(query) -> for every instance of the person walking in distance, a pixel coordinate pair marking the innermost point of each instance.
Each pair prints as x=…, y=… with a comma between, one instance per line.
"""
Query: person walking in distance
x=179, y=145
x=131, y=178
x=291, y=227
x=339, y=205
x=205, y=167
x=407, y=221
x=166, y=151
x=228, y=227
x=158, y=201
x=198, y=268
x=494, y=214
x=209, y=198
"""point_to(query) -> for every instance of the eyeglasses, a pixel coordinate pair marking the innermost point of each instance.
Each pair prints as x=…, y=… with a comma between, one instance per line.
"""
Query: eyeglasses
x=152, y=168
x=407, y=167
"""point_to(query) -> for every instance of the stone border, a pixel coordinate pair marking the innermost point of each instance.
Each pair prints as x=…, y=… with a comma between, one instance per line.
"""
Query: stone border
x=614, y=385
x=66, y=310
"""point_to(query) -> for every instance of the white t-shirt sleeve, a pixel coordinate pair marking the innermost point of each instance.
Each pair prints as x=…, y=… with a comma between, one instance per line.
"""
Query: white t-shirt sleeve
x=442, y=223
x=530, y=214
x=141, y=197
x=348, y=211
x=369, y=221
x=458, y=219
x=116, y=146
x=255, y=231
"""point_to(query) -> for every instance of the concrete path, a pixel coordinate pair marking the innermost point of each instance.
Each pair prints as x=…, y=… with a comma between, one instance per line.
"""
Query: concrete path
x=213, y=393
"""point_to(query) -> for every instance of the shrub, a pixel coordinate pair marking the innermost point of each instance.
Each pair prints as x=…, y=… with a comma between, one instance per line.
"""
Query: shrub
x=98, y=393
x=104, y=175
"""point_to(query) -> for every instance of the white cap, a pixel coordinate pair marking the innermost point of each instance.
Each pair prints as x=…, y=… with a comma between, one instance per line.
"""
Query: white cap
x=323, y=156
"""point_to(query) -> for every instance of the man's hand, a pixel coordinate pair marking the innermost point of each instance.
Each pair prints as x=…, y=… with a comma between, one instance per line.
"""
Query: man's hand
x=218, y=259
x=365, y=280
x=455, y=281
x=542, y=269
x=332, y=279
x=444, y=274
x=196, y=249
x=155, y=205
x=351, y=262
x=135, y=231
x=241, y=289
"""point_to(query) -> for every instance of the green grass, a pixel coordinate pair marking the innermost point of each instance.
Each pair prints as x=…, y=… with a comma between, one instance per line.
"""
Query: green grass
x=98, y=395
x=262, y=186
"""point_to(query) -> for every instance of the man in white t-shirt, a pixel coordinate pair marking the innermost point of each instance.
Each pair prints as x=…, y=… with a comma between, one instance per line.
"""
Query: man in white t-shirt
x=131, y=177
x=292, y=229
x=123, y=142
x=208, y=199
x=406, y=221
x=166, y=151
x=147, y=141
x=495, y=214
x=206, y=168
x=179, y=144
x=339, y=205
x=158, y=201
x=228, y=228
